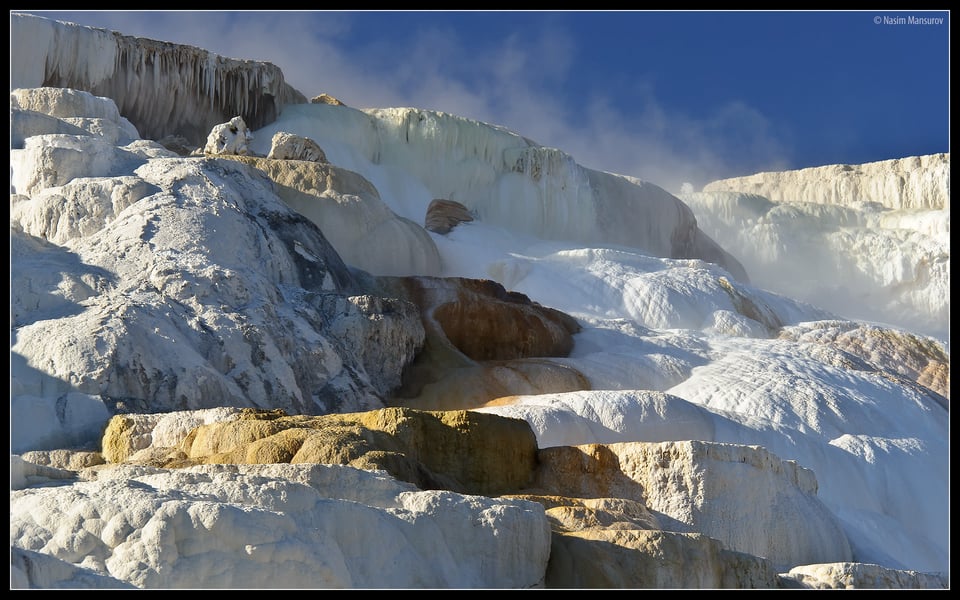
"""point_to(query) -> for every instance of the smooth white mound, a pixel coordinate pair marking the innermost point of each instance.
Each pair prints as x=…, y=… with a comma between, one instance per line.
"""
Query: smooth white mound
x=82, y=107
x=277, y=526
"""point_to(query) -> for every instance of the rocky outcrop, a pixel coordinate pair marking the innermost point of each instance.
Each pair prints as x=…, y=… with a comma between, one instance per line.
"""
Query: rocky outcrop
x=326, y=99
x=746, y=497
x=126, y=435
x=232, y=137
x=289, y=146
x=915, y=182
x=443, y=215
x=482, y=342
x=301, y=261
x=79, y=108
x=840, y=576
x=80, y=210
x=896, y=353
x=484, y=321
x=639, y=558
x=69, y=460
x=27, y=123
x=162, y=88
x=616, y=543
x=81, y=207
x=349, y=211
x=192, y=325
x=725, y=516
x=39, y=111
x=75, y=156
x=455, y=450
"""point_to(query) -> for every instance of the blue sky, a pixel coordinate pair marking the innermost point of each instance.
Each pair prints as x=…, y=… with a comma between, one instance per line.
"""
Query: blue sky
x=665, y=96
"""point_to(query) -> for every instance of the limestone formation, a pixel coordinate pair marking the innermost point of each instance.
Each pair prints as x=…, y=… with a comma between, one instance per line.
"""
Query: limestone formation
x=36, y=570
x=230, y=371
x=232, y=137
x=615, y=511
x=24, y=473
x=539, y=191
x=482, y=342
x=64, y=103
x=916, y=182
x=126, y=434
x=455, y=450
x=70, y=460
x=304, y=526
x=897, y=353
x=348, y=209
x=75, y=156
x=289, y=146
x=746, y=497
x=574, y=514
x=636, y=558
x=885, y=261
x=161, y=87
x=326, y=99
x=78, y=208
x=27, y=123
x=607, y=416
x=839, y=576
x=484, y=321
x=190, y=332
x=444, y=215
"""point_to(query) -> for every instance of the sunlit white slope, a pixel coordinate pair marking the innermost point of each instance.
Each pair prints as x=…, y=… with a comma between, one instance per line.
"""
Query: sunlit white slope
x=912, y=183
x=601, y=282
x=646, y=320
x=413, y=156
x=878, y=447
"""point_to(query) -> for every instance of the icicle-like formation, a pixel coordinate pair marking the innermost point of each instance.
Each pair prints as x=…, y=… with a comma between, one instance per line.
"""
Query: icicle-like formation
x=539, y=190
x=162, y=88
